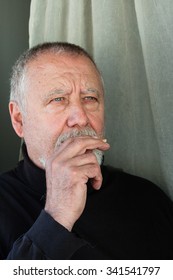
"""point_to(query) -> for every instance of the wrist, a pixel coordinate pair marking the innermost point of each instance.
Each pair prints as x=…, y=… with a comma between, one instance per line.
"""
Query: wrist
x=61, y=219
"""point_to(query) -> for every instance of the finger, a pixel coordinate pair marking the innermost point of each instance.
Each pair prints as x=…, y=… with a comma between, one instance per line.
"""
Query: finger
x=79, y=145
x=80, y=140
x=91, y=171
x=80, y=160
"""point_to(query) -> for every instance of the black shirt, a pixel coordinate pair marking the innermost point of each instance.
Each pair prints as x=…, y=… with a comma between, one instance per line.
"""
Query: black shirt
x=128, y=218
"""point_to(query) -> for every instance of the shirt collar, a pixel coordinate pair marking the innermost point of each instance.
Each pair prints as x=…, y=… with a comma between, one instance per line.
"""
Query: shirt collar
x=34, y=177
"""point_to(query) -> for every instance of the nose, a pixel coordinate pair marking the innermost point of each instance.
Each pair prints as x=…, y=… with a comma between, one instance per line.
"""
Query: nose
x=77, y=116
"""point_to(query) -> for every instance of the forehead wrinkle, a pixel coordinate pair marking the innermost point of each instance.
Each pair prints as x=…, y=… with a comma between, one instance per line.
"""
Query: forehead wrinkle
x=55, y=92
x=67, y=77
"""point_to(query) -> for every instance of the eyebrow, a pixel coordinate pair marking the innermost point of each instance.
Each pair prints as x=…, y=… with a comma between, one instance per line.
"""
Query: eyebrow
x=91, y=90
x=53, y=93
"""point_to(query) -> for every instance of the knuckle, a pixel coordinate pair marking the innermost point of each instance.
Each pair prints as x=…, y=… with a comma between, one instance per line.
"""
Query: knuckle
x=92, y=157
x=77, y=141
x=58, y=166
x=54, y=164
x=73, y=172
x=95, y=169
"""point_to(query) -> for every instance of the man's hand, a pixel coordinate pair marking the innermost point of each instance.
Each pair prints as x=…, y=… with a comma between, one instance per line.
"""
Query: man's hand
x=67, y=174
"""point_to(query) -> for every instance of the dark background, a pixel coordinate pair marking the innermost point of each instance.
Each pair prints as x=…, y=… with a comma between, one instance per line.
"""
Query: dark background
x=14, y=39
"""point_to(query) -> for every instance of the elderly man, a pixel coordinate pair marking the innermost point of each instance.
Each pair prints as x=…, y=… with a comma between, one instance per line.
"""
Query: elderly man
x=61, y=202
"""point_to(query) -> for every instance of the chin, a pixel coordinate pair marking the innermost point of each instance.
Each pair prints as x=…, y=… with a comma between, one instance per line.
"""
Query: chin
x=42, y=161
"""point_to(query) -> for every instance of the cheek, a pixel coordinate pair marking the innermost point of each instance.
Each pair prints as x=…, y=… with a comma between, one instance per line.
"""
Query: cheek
x=39, y=139
x=97, y=122
x=43, y=130
x=33, y=128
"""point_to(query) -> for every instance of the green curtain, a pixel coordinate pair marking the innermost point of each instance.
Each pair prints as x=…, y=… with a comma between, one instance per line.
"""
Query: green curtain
x=132, y=43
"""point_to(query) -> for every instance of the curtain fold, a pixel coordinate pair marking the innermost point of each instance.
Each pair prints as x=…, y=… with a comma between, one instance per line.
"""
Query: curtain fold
x=131, y=41
x=155, y=23
x=61, y=19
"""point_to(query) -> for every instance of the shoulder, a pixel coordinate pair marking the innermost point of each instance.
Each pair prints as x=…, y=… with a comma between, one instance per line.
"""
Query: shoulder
x=9, y=179
x=11, y=184
x=134, y=188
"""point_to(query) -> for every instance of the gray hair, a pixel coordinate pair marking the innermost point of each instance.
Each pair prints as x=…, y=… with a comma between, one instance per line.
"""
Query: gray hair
x=20, y=67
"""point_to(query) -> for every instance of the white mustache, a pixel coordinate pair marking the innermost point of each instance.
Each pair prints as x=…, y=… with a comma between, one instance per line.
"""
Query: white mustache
x=75, y=133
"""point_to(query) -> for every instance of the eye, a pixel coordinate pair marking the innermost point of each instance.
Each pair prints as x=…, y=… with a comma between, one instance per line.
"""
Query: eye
x=90, y=102
x=91, y=98
x=58, y=99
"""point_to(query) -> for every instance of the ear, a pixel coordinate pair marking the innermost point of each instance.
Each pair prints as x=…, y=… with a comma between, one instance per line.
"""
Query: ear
x=16, y=118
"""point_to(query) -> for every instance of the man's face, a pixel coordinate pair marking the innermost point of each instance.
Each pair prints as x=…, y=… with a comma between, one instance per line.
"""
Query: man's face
x=63, y=93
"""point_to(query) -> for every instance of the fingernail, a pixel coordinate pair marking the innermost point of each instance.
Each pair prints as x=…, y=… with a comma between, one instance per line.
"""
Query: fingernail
x=104, y=140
